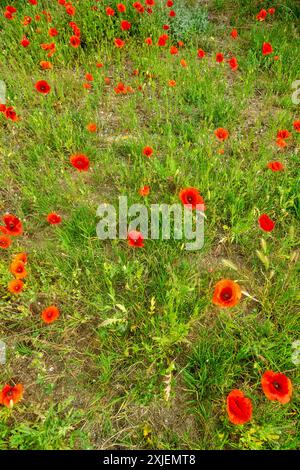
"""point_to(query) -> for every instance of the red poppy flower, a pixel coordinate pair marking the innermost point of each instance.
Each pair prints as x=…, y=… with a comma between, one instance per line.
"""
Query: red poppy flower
x=125, y=25
x=12, y=225
x=201, y=53
x=9, y=395
x=296, y=125
x=261, y=16
x=75, y=41
x=172, y=14
x=17, y=268
x=266, y=223
x=92, y=127
x=162, y=40
x=227, y=293
x=275, y=166
x=53, y=218
x=25, y=42
x=89, y=77
x=283, y=134
x=50, y=314
x=5, y=242
x=169, y=3
x=21, y=257
x=148, y=151
x=221, y=134
x=281, y=143
x=271, y=11
x=191, y=197
x=15, y=286
x=148, y=41
x=239, y=408
x=119, y=43
x=234, y=34
x=27, y=20
x=11, y=114
x=121, y=8
x=183, y=63
x=219, y=57
x=233, y=63
x=172, y=83
x=135, y=238
x=173, y=50
x=110, y=11
x=80, y=162
x=45, y=65
x=144, y=191
x=53, y=32
x=277, y=386
x=70, y=10
x=267, y=48
x=43, y=87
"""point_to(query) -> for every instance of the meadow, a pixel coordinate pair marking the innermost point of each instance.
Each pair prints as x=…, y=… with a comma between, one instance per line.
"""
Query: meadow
x=112, y=345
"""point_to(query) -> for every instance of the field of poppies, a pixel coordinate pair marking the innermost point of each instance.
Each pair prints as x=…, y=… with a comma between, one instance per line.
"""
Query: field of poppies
x=137, y=343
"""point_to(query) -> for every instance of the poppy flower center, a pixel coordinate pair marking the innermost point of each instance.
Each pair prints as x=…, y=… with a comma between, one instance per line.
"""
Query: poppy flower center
x=9, y=394
x=226, y=294
x=19, y=270
x=276, y=385
x=49, y=315
x=11, y=225
x=190, y=198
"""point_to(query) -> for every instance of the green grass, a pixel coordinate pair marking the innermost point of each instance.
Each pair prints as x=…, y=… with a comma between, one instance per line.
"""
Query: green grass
x=140, y=357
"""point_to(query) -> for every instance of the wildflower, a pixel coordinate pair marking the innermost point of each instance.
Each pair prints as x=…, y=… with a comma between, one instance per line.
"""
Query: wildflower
x=234, y=34
x=53, y=218
x=266, y=223
x=92, y=127
x=119, y=43
x=80, y=162
x=227, y=293
x=5, y=242
x=121, y=8
x=219, y=57
x=43, y=87
x=277, y=387
x=191, y=197
x=25, y=42
x=296, y=125
x=9, y=395
x=233, y=63
x=144, y=191
x=148, y=151
x=221, y=134
x=12, y=225
x=135, y=238
x=283, y=134
x=125, y=25
x=275, y=166
x=17, y=268
x=45, y=65
x=50, y=314
x=261, y=16
x=267, y=48
x=239, y=408
x=15, y=286
x=75, y=41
